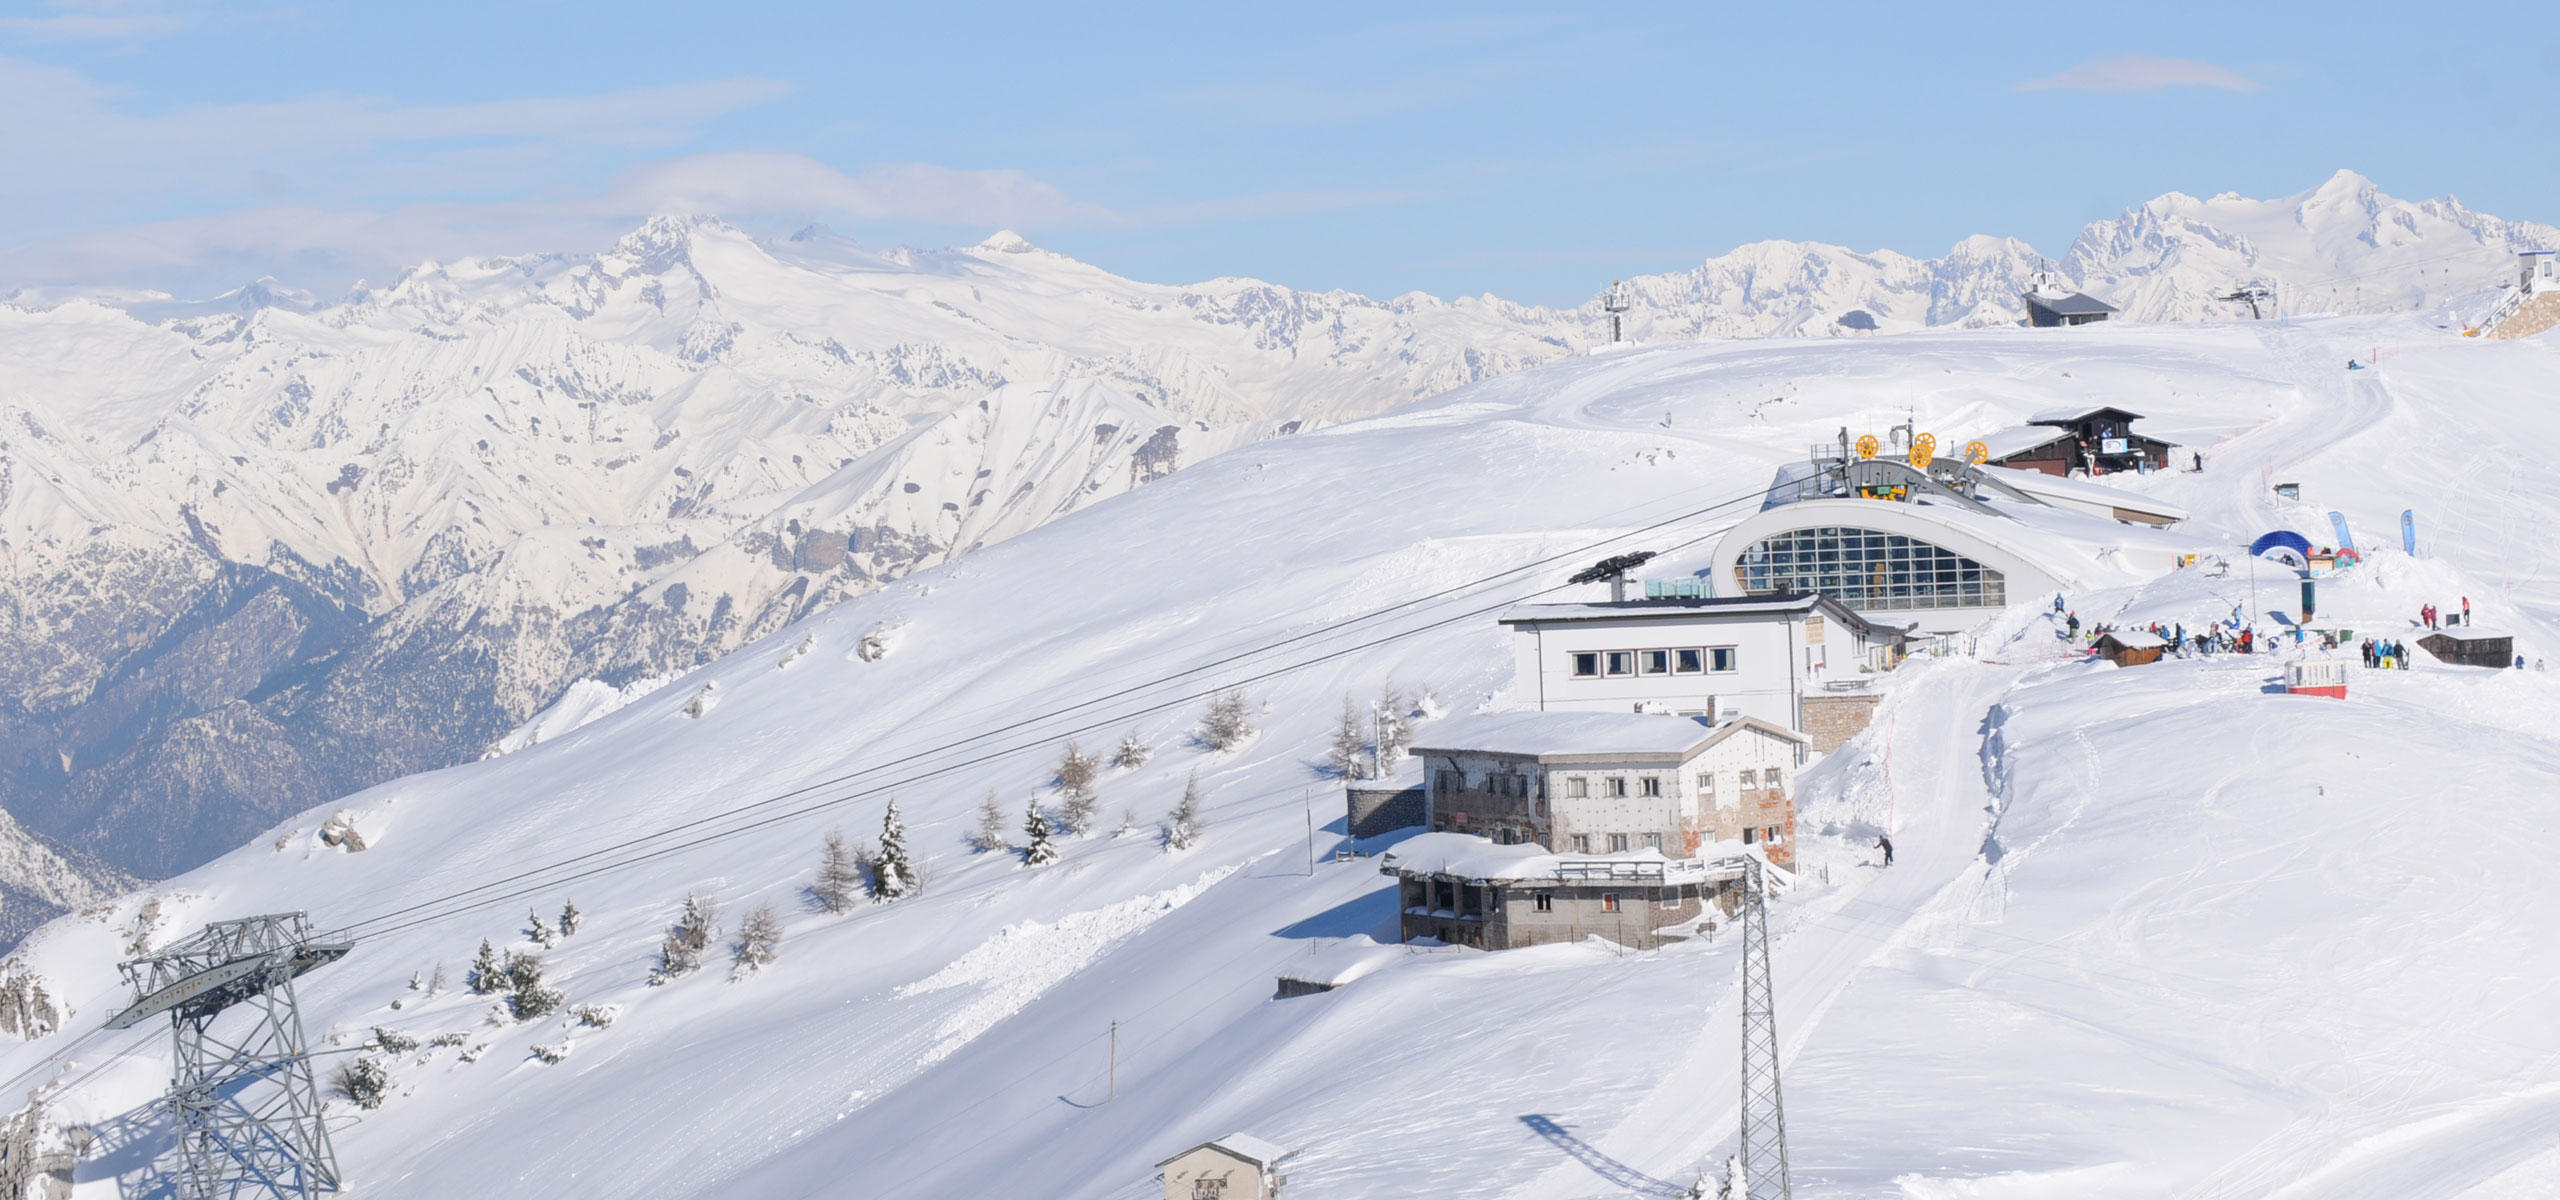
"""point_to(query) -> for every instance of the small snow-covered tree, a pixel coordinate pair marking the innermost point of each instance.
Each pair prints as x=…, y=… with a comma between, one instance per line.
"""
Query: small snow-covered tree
x=527, y=998
x=539, y=930
x=759, y=939
x=1128, y=822
x=891, y=876
x=839, y=880
x=393, y=1040
x=366, y=1081
x=488, y=976
x=1349, y=751
x=569, y=918
x=1076, y=772
x=1133, y=752
x=1036, y=850
x=1395, y=728
x=989, y=835
x=1227, y=722
x=1182, y=829
x=435, y=981
x=680, y=951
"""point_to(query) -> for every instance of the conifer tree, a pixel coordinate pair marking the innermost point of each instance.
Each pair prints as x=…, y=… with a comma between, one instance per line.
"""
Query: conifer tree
x=1394, y=730
x=488, y=975
x=1227, y=723
x=1076, y=771
x=681, y=949
x=527, y=998
x=891, y=876
x=569, y=917
x=539, y=931
x=435, y=980
x=759, y=939
x=1182, y=830
x=1350, y=743
x=990, y=834
x=1133, y=752
x=1128, y=822
x=839, y=875
x=1037, y=851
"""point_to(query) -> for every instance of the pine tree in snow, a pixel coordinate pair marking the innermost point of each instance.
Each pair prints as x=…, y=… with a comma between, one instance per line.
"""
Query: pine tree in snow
x=1227, y=722
x=1349, y=751
x=759, y=939
x=1076, y=771
x=538, y=930
x=1395, y=730
x=681, y=949
x=1036, y=850
x=1128, y=823
x=488, y=976
x=366, y=1081
x=839, y=880
x=527, y=998
x=1133, y=752
x=569, y=917
x=435, y=982
x=1182, y=830
x=891, y=875
x=990, y=835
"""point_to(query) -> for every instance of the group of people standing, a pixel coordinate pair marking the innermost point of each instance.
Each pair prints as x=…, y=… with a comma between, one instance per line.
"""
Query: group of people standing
x=2386, y=655
x=2428, y=616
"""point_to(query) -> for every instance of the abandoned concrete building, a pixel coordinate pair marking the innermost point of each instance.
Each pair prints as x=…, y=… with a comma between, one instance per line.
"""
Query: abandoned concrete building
x=1611, y=783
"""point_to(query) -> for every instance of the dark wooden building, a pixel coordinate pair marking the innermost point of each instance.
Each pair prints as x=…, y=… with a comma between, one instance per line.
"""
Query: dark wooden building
x=2467, y=646
x=2047, y=311
x=2097, y=440
x=2130, y=648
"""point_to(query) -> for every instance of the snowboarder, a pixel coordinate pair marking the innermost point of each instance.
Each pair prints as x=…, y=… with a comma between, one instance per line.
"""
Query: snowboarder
x=1885, y=844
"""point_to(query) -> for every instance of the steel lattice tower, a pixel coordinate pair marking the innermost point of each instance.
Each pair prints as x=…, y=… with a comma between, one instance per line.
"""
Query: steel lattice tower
x=1764, y=1114
x=247, y=1104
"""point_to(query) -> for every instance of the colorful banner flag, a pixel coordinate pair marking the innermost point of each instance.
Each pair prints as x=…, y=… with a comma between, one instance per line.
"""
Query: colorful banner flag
x=2338, y=521
x=2409, y=532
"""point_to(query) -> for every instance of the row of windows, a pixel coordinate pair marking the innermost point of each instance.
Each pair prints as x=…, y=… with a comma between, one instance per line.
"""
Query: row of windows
x=1867, y=569
x=1615, y=787
x=1678, y=660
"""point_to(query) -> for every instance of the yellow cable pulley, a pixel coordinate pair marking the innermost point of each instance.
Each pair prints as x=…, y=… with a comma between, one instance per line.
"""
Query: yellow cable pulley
x=1868, y=445
x=1924, y=448
x=1976, y=452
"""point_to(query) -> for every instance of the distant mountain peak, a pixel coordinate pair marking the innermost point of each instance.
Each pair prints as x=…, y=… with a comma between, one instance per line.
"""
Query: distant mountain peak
x=1005, y=241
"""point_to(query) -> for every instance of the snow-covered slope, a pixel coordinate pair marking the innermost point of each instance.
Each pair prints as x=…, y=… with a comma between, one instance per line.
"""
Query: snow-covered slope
x=2153, y=932
x=40, y=881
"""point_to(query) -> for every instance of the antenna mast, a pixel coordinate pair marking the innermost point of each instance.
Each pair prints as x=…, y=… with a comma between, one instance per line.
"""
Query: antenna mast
x=1615, y=302
x=1764, y=1114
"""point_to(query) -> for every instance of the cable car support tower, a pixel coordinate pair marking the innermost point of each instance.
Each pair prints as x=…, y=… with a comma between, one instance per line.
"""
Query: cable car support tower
x=246, y=1102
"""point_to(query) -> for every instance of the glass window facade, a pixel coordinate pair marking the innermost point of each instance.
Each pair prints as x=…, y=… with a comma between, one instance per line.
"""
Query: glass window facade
x=1868, y=570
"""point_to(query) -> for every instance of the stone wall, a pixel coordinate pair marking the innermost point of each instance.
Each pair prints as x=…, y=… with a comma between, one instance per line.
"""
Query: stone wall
x=1832, y=720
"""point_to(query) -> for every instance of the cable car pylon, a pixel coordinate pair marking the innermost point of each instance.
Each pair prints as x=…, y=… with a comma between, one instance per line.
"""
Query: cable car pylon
x=246, y=1102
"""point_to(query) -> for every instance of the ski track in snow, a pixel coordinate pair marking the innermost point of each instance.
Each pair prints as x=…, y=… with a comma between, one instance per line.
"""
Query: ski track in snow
x=1027, y=958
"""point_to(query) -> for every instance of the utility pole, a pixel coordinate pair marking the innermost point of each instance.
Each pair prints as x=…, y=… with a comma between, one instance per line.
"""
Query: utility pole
x=1309, y=796
x=1764, y=1114
x=1115, y=1061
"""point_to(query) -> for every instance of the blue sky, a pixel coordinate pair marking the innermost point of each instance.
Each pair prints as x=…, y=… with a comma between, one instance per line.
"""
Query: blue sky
x=1533, y=151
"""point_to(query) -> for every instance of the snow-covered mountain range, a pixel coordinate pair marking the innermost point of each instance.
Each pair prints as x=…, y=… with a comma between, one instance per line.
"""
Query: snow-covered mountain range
x=2151, y=931
x=261, y=551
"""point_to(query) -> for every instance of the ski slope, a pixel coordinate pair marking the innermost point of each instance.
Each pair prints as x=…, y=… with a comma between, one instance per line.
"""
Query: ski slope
x=2151, y=932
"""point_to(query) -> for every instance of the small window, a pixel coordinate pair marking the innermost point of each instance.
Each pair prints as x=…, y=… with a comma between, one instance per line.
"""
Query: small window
x=1544, y=901
x=1586, y=664
x=1507, y=836
x=1773, y=834
x=1751, y=779
x=1617, y=843
x=1208, y=1189
x=1688, y=662
x=1670, y=895
x=1650, y=785
x=1582, y=843
x=1720, y=658
x=1617, y=786
x=1771, y=779
x=1749, y=835
x=1707, y=784
x=1622, y=662
x=1654, y=662
x=1653, y=841
x=1576, y=787
x=1608, y=902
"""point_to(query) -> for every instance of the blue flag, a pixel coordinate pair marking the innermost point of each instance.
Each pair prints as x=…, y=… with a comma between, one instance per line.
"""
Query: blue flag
x=2338, y=521
x=2409, y=532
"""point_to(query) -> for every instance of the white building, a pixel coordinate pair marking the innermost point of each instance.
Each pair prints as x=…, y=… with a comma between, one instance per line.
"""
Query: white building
x=1788, y=660
x=1612, y=783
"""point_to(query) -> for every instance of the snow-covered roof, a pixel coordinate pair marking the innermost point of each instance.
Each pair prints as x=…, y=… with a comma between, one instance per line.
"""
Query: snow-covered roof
x=1583, y=734
x=2134, y=639
x=1468, y=856
x=2065, y=415
x=1405, y=774
x=1260, y=1152
x=1704, y=606
x=1336, y=965
x=2075, y=304
x=2018, y=439
x=2465, y=633
x=2040, y=485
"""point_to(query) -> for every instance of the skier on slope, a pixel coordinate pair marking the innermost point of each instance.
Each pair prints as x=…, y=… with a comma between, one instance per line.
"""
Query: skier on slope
x=1885, y=844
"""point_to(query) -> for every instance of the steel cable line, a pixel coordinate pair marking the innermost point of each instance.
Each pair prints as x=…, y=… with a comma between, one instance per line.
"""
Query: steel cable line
x=375, y=924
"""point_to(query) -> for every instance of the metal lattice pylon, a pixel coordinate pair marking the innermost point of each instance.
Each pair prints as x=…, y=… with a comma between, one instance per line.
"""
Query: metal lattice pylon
x=1764, y=1114
x=246, y=1102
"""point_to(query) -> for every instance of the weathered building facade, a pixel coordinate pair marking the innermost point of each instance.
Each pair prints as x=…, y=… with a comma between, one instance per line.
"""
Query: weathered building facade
x=1714, y=657
x=1467, y=891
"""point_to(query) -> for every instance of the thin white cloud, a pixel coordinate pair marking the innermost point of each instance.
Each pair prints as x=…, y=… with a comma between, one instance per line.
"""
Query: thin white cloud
x=745, y=183
x=96, y=20
x=2141, y=73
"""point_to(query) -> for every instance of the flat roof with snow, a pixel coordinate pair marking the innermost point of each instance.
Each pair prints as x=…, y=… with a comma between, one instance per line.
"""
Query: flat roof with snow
x=1705, y=606
x=1561, y=735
